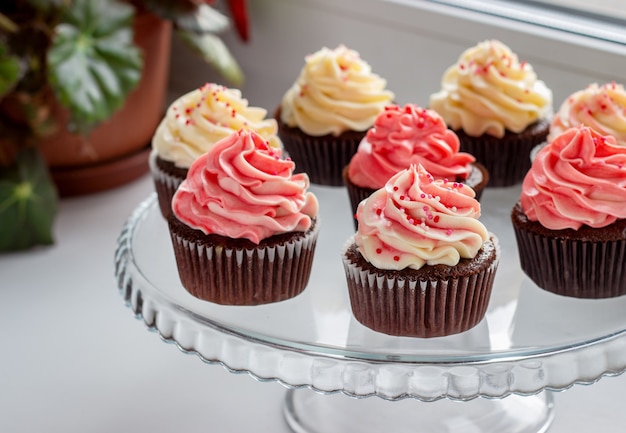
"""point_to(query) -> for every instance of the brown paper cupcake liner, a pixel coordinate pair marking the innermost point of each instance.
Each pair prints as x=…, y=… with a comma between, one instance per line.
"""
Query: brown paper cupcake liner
x=406, y=304
x=243, y=273
x=356, y=194
x=507, y=159
x=167, y=178
x=322, y=158
x=558, y=262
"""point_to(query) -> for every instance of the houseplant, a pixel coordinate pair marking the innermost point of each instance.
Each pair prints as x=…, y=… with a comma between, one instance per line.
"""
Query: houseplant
x=79, y=55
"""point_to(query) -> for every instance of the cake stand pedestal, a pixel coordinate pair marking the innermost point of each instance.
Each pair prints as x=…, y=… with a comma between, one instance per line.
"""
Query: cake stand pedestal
x=344, y=377
x=309, y=412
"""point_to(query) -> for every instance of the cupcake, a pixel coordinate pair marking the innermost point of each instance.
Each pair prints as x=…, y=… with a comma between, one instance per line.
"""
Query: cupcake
x=602, y=108
x=405, y=136
x=192, y=124
x=324, y=115
x=497, y=107
x=243, y=226
x=421, y=263
x=570, y=220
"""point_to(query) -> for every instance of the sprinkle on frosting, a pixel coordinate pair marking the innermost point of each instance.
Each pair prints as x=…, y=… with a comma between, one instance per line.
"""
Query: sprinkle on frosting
x=198, y=119
x=489, y=91
x=243, y=188
x=336, y=91
x=416, y=220
x=602, y=108
x=407, y=135
x=578, y=179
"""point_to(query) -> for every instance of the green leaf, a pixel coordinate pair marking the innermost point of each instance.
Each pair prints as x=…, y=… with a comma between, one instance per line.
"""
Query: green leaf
x=10, y=71
x=28, y=203
x=204, y=19
x=93, y=62
x=213, y=50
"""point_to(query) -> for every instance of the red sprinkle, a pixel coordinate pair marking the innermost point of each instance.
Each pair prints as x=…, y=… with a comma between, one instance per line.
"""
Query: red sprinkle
x=396, y=258
x=379, y=250
x=436, y=218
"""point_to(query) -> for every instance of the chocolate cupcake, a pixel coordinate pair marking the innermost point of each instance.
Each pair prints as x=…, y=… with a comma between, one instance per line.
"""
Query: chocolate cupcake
x=192, y=124
x=570, y=221
x=243, y=227
x=326, y=112
x=420, y=264
x=497, y=107
x=405, y=136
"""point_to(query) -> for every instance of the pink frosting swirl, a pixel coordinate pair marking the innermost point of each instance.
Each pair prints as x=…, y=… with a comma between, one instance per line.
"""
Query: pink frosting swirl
x=242, y=188
x=416, y=220
x=579, y=178
x=407, y=135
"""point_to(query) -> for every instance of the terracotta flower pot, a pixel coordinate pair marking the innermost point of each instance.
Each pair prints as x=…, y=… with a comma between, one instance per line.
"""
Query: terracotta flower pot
x=116, y=152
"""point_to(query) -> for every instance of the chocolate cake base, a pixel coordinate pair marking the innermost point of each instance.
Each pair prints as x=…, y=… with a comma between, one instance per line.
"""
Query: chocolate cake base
x=583, y=263
x=507, y=159
x=239, y=272
x=433, y=301
x=166, y=177
x=322, y=158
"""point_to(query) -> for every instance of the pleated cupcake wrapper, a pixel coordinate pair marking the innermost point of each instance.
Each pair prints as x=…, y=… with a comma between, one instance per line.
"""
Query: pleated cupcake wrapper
x=165, y=185
x=574, y=268
x=506, y=161
x=322, y=159
x=418, y=308
x=356, y=194
x=237, y=276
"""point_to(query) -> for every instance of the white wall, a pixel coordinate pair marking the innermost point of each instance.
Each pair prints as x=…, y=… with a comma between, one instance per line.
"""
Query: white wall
x=409, y=42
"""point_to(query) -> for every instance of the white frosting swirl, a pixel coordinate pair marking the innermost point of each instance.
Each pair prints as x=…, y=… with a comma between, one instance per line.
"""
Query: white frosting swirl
x=335, y=92
x=602, y=108
x=202, y=117
x=489, y=91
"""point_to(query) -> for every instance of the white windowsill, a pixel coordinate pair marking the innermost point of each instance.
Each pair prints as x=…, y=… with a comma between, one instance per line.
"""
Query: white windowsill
x=409, y=42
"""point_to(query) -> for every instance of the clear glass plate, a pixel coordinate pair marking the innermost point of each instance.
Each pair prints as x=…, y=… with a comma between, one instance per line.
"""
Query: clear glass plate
x=529, y=341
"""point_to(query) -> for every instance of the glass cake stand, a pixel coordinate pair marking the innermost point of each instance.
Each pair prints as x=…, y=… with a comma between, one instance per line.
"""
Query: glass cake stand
x=496, y=377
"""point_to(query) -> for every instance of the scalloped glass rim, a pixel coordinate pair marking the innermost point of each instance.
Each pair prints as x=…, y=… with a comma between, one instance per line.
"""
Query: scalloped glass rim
x=444, y=368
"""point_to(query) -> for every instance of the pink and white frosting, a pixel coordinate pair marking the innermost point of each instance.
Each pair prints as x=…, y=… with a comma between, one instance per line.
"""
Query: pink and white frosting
x=578, y=179
x=416, y=220
x=243, y=188
x=402, y=136
x=602, y=108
